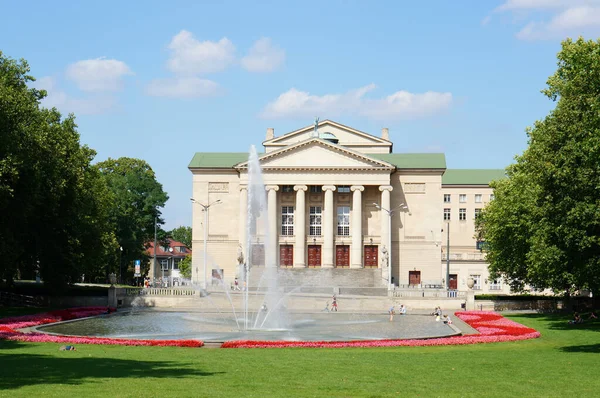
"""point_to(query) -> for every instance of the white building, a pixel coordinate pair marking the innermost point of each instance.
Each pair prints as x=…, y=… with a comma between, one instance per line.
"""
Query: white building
x=326, y=187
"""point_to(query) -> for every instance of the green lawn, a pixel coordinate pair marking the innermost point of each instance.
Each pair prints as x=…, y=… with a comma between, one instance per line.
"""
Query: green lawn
x=563, y=362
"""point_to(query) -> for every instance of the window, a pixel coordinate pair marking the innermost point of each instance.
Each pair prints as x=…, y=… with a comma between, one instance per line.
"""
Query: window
x=477, y=282
x=446, y=198
x=287, y=220
x=478, y=198
x=316, y=189
x=164, y=264
x=314, y=221
x=496, y=284
x=477, y=212
x=343, y=220
x=343, y=189
x=176, y=262
x=491, y=197
x=462, y=214
x=462, y=198
x=182, y=249
x=446, y=214
x=287, y=188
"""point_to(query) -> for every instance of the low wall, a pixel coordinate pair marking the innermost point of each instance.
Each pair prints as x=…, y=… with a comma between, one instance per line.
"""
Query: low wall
x=78, y=301
x=322, y=277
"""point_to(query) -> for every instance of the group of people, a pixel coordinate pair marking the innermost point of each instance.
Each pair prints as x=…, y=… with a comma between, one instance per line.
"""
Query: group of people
x=236, y=285
x=577, y=318
x=392, y=311
x=334, y=305
x=439, y=316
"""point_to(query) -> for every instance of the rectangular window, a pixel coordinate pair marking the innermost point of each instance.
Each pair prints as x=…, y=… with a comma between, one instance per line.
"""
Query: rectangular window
x=462, y=214
x=446, y=198
x=315, y=221
x=316, y=188
x=287, y=188
x=462, y=198
x=477, y=282
x=164, y=264
x=343, y=188
x=176, y=262
x=478, y=198
x=477, y=212
x=496, y=284
x=287, y=220
x=446, y=214
x=343, y=220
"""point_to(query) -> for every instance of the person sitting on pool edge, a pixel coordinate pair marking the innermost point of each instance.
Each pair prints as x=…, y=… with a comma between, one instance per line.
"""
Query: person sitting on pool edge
x=402, y=309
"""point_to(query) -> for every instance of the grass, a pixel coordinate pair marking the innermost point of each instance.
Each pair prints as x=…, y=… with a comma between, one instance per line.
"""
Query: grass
x=563, y=362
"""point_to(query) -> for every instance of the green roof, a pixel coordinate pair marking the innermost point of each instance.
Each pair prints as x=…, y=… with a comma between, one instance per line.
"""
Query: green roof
x=413, y=160
x=472, y=176
x=217, y=159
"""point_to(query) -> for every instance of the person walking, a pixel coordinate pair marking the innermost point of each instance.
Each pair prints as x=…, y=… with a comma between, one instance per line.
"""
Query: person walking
x=334, y=306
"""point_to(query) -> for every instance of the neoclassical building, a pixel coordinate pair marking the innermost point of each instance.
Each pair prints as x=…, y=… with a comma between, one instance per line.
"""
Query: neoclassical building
x=339, y=199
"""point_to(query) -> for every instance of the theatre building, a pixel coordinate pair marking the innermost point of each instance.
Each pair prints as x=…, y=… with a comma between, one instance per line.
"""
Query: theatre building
x=342, y=208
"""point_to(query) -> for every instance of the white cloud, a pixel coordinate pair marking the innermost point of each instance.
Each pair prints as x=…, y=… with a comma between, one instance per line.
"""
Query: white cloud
x=182, y=87
x=399, y=105
x=263, y=56
x=65, y=103
x=191, y=57
x=555, y=19
x=98, y=74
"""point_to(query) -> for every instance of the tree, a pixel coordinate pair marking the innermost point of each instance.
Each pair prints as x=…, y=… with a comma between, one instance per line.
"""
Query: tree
x=182, y=234
x=543, y=228
x=185, y=267
x=54, y=203
x=137, y=198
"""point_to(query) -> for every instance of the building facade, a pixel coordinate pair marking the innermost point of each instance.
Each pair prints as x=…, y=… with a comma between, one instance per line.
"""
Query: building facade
x=165, y=271
x=344, y=205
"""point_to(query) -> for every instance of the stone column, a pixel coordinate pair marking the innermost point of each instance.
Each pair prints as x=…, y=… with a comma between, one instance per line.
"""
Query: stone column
x=272, y=247
x=328, y=214
x=356, y=225
x=386, y=234
x=300, y=226
x=243, y=228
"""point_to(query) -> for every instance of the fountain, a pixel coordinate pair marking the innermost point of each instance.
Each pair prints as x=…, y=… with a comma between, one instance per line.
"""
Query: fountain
x=264, y=313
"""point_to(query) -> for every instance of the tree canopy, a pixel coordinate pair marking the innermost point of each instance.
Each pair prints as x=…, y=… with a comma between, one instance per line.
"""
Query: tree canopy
x=543, y=228
x=182, y=234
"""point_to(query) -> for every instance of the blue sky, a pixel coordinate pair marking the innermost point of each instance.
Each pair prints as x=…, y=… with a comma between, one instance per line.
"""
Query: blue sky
x=161, y=80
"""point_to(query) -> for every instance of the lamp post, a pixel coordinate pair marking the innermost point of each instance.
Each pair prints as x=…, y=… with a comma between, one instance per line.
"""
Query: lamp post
x=154, y=250
x=390, y=213
x=205, y=209
x=120, y=262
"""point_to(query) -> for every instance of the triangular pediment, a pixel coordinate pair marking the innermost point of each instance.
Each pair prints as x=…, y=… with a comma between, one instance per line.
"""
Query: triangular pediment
x=346, y=135
x=317, y=154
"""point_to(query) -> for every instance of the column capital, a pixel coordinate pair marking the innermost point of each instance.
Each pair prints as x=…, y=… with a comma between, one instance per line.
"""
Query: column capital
x=386, y=188
x=357, y=188
x=300, y=188
x=328, y=188
x=272, y=188
x=242, y=187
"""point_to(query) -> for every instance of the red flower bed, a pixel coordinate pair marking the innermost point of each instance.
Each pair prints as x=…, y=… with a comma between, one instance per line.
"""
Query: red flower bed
x=492, y=328
x=9, y=326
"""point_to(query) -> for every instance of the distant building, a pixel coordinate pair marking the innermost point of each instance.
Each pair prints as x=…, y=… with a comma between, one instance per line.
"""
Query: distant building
x=168, y=259
x=327, y=184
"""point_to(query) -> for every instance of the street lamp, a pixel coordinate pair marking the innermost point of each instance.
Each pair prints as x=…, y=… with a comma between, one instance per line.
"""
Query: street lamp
x=389, y=242
x=205, y=209
x=120, y=262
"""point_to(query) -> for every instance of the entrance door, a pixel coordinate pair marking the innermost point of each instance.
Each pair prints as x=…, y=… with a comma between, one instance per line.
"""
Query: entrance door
x=371, y=256
x=342, y=256
x=258, y=255
x=314, y=255
x=453, y=285
x=286, y=255
x=414, y=277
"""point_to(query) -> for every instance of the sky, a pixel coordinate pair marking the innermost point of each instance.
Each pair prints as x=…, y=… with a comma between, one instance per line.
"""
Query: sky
x=160, y=80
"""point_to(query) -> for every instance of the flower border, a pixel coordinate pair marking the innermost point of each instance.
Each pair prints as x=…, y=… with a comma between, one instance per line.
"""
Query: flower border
x=492, y=328
x=9, y=326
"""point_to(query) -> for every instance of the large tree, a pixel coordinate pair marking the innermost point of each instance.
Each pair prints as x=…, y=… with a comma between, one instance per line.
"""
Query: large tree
x=543, y=228
x=182, y=234
x=138, y=197
x=54, y=203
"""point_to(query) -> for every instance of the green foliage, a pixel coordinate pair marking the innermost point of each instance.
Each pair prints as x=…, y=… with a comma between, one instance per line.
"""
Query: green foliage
x=543, y=228
x=182, y=234
x=137, y=197
x=54, y=203
x=185, y=267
